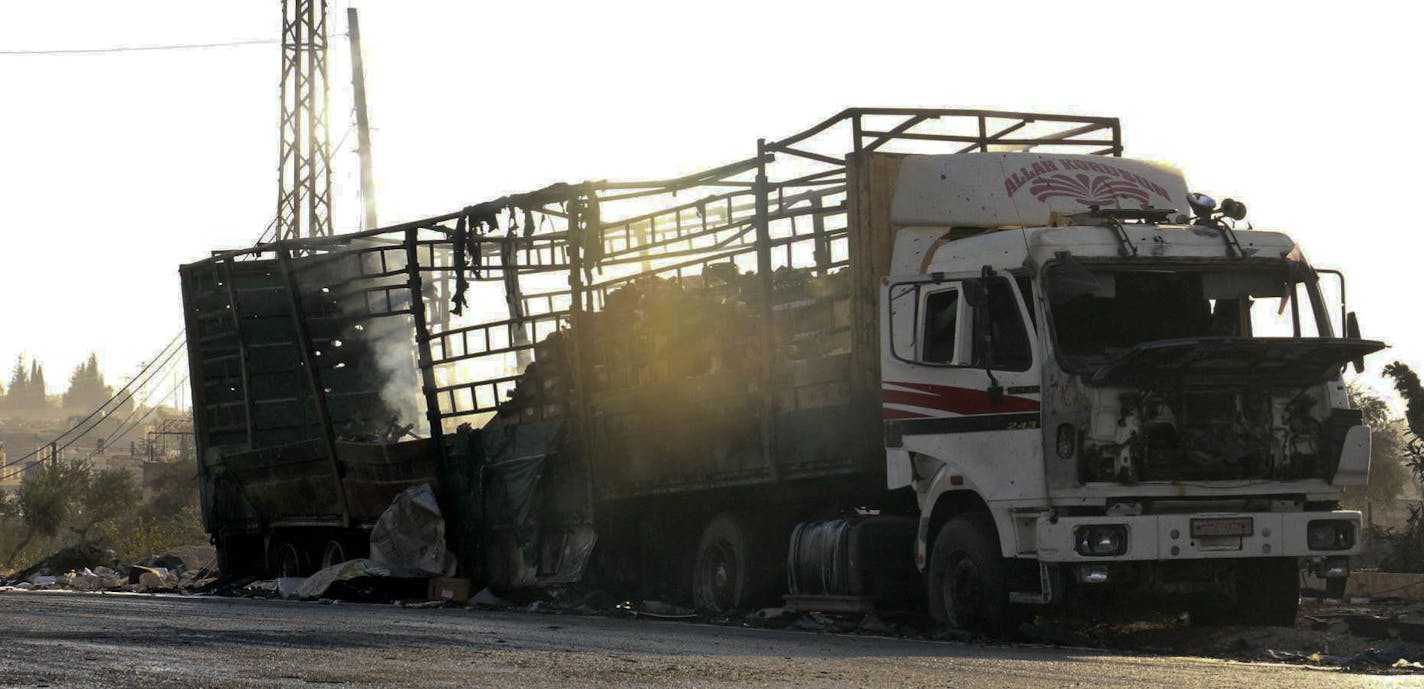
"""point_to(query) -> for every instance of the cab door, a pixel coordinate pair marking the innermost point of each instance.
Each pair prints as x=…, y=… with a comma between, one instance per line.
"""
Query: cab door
x=960, y=379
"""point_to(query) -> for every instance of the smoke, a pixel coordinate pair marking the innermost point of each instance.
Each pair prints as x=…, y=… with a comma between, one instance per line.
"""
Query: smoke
x=381, y=347
x=392, y=344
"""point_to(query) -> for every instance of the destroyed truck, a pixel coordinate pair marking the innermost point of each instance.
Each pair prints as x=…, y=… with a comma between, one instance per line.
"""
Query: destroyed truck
x=971, y=362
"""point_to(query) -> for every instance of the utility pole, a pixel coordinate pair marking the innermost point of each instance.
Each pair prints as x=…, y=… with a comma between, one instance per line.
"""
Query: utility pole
x=363, y=126
x=304, y=156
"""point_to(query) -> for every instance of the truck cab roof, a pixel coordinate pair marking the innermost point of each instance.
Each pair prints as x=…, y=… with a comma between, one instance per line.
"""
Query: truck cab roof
x=960, y=212
x=923, y=250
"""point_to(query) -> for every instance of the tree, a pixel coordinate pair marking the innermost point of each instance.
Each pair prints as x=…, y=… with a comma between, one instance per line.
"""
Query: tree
x=27, y=388
x=65, y=498
x=111, y=495
x=46, y=500
x=1406, y=382
x=1406, y=546
x=86, y=386
x=37, y=385
x=1388, y=437
x=19, y=384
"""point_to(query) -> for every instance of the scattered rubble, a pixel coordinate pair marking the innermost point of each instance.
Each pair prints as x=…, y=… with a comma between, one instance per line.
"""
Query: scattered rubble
x=85, y=568
x=361, y=580
x=1363, y=635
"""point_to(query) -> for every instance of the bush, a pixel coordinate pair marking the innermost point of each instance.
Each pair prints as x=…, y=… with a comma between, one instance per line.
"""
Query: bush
x=63, y=505
x=1404, y=547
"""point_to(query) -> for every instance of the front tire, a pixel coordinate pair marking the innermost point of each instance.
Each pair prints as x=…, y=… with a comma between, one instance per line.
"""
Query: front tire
x=1335, y=588
x=1270, y=593
x=1267, y=593
x=967, y=583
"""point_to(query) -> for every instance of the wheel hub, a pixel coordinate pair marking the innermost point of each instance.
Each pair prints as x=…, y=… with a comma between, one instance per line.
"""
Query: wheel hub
x=962, y=591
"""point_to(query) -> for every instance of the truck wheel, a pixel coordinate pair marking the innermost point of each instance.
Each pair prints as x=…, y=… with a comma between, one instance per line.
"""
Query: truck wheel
x=1267, y=593
x=730, y=571
x=966, y=583
x=333, y=553
x=1210, y=611
x=1335, y=588
x=1270, y=592
x=285, y=560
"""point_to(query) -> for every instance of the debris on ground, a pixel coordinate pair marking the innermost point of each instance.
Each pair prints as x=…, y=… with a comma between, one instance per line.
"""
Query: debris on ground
x=410, y=534
x=365, y=580
x=87, y=568
x=662, y=611
x=1390, y=658
x=1379, y=636
x=449, y=589
x=488, y=600
x=73, y=558
x=1375, y=635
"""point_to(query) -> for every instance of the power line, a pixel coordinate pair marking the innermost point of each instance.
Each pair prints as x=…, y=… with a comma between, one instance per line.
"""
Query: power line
x=145, y=405
x=118, y=433
x=136, y=383
x=143, y=48
x=117, y=393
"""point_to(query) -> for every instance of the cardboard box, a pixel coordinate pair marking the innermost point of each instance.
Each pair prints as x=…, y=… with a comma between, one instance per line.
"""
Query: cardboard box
x=451, y=589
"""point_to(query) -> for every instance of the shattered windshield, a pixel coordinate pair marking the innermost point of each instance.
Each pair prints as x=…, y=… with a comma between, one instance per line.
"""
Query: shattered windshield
x=1102, y=311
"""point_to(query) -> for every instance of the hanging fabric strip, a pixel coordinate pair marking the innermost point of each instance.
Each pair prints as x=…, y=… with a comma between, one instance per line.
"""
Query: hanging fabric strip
x=461, y=284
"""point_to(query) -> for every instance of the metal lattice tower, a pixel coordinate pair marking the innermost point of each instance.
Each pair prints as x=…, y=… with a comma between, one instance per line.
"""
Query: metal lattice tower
x=304, y=160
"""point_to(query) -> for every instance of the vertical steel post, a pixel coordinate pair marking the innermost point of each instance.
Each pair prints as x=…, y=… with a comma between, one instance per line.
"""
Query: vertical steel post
x=583, y=427
x=422, y=335
x=821, y=245
x=247, y=408
x=313, y=376
x=363, y=126
x=769, y=401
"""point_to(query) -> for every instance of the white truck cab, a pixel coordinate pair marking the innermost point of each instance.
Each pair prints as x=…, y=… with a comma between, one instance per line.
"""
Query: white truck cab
x=1138, y=395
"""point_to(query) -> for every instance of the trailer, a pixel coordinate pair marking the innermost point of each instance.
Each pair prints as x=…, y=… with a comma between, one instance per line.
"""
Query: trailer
x=833, y=372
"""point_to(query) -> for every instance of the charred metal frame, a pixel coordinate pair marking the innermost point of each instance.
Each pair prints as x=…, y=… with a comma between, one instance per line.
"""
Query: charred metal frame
x=784, y=207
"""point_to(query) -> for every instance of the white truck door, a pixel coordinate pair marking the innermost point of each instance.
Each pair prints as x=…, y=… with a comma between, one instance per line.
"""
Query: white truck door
x=960, y=381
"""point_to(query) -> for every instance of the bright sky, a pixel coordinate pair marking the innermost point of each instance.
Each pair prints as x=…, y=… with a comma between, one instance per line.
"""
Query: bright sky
x=115, y=168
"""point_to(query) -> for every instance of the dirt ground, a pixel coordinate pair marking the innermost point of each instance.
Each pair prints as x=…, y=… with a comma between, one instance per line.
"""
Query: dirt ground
x=1327, y=634
x=115, y=641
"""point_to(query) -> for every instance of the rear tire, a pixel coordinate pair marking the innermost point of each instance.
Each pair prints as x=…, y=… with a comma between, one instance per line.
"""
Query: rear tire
x=333, y=553
x=285, y=560
x=735, y=568
x=967, y=583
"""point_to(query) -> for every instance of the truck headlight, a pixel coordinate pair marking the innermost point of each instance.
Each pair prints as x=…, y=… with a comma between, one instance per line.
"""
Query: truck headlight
x=1100, y=540
x=1330, y=534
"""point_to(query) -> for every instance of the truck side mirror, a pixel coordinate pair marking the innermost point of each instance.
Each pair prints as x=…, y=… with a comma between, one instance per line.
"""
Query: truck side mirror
x=1352, y=331
x=975, y=293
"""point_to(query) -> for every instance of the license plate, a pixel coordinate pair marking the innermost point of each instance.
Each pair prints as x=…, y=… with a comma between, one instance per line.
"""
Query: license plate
x=1231, y=526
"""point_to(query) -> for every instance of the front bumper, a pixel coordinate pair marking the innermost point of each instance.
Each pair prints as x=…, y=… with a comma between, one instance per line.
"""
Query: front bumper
x=1166, y=537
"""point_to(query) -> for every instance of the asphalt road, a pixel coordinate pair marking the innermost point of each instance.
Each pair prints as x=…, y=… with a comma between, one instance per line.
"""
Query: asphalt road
x=86, y=640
